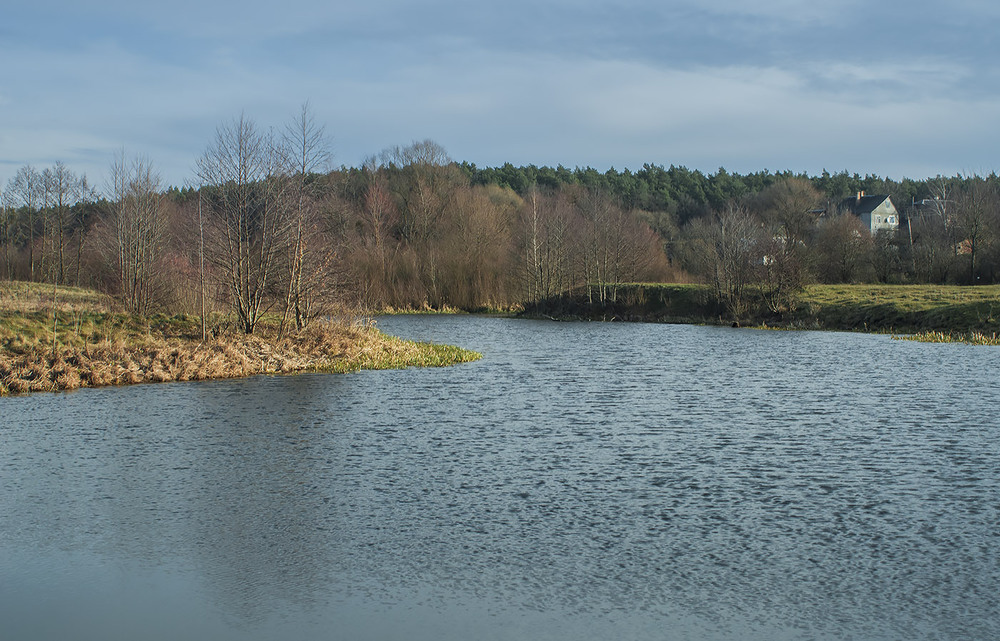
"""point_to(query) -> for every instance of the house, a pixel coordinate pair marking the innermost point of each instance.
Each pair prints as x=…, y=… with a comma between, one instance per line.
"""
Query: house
x=877, y=213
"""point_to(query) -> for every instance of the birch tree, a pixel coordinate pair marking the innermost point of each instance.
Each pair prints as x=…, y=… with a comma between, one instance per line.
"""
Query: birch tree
x=7, y=233
x=137, y=224
x=63, y=189
x=545, y=245
x=247, y=213
x=309, y=262
x=25, y=191
x=739, y=250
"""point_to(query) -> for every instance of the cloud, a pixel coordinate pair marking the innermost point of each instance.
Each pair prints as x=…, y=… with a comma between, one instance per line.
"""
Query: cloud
x=890, y=77
x=779, y=83
x=780, y=11
x=625, y=113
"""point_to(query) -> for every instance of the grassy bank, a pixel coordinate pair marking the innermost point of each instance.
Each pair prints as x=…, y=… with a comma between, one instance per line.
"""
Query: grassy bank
x=74, y=338
x=653, y=303
x=962, y=313
x=902, y=308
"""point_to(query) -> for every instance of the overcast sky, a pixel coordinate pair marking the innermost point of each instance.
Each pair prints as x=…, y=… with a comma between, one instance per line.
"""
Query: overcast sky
x=891, y=88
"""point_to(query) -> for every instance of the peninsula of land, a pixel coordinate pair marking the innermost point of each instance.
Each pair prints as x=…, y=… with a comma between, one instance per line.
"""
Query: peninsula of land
x=66, y=338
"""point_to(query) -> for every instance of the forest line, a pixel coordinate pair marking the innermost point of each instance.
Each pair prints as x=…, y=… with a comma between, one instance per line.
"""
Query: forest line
x=270, y=228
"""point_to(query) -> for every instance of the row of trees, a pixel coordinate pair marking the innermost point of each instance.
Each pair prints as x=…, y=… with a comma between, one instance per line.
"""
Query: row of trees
x=423, y=235
x=46, y=212
x=266, y=226
x=685, y=193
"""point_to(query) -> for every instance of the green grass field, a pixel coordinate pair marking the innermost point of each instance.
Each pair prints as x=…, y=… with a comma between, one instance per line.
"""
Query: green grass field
x=928, y=312
x=903, y=308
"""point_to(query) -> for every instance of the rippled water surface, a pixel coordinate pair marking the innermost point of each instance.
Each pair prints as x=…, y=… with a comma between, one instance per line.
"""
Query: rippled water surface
x=582, y=481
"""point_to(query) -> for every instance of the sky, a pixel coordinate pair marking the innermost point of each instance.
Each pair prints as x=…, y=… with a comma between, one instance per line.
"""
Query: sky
x=892, y=88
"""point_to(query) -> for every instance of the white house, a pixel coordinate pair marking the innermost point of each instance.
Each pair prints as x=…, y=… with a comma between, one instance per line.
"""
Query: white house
x=877, y=213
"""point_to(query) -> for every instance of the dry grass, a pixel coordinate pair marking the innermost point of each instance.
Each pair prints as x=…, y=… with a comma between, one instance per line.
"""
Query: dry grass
x=85, y=344
x=20, y=296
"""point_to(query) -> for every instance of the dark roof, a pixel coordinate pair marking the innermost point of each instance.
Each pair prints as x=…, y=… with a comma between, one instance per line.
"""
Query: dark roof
x=863, y=205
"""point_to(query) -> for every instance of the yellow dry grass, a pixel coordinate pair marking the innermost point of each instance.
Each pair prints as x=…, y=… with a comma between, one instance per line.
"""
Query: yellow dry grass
x=85, y=344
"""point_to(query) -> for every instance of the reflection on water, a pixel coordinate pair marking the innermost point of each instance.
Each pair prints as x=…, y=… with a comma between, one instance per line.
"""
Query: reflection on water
x=582, y=481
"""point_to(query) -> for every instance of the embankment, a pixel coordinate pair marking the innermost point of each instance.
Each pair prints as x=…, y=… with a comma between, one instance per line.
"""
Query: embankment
x=68, y=338
x=900, y=309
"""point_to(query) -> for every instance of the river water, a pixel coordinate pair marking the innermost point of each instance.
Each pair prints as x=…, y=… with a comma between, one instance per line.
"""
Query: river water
x=582, y=481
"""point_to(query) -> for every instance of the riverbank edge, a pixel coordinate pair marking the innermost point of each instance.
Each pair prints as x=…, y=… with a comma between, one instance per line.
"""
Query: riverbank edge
x=916, y=312
x=69, y=338
x=156, y=360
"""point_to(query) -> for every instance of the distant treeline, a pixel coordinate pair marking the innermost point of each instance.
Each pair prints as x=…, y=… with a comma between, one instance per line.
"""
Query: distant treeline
x=271, y=229
x=690, y=193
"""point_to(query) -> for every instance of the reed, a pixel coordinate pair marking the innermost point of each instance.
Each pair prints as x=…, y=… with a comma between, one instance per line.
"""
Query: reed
x=969, y=338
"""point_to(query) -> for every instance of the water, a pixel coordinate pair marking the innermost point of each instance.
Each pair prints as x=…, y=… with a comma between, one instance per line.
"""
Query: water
x=582, y=481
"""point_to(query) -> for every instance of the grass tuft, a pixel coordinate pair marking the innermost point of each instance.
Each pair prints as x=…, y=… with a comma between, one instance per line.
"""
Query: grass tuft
x=969, y=338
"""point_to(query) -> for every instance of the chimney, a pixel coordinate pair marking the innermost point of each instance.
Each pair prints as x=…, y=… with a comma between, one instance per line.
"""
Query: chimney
x=860, y=195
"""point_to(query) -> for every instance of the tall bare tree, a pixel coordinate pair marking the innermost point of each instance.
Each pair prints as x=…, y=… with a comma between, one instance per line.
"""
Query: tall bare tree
x=136, y=220
x=545, y=223
x=309, y=261
x=247, y=213
x=843, y=244
x=378, y=216
x=785, y=207
x=7, y=233
x=616, y=247
x=63, y=189
x=25, y=190
x=977, y=212
x=932, y=233
x=739, y=246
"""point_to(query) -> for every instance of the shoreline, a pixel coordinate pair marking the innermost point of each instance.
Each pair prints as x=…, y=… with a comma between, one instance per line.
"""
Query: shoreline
x=929, y=313
x=336, y=350
x=77, y=341
x=69, y=368
x=60, y=339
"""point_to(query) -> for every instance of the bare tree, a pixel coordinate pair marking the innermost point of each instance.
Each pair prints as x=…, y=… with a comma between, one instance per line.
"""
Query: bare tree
x=423, y=181
x=309, y=261
x=932, y=234
x=785, y=206
x=137, y=225
x=738, y=252
x=25, y=191
x=83, y=213
x=7, y=233
x=247, y=209
x=476, y=247
x=424, y=152
x=424, y=186
x=378, y=216
x=602, y=246
x=844, y=245
x=63, y=189
x=728, y=250
x=545, y=245
x=976, y=215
